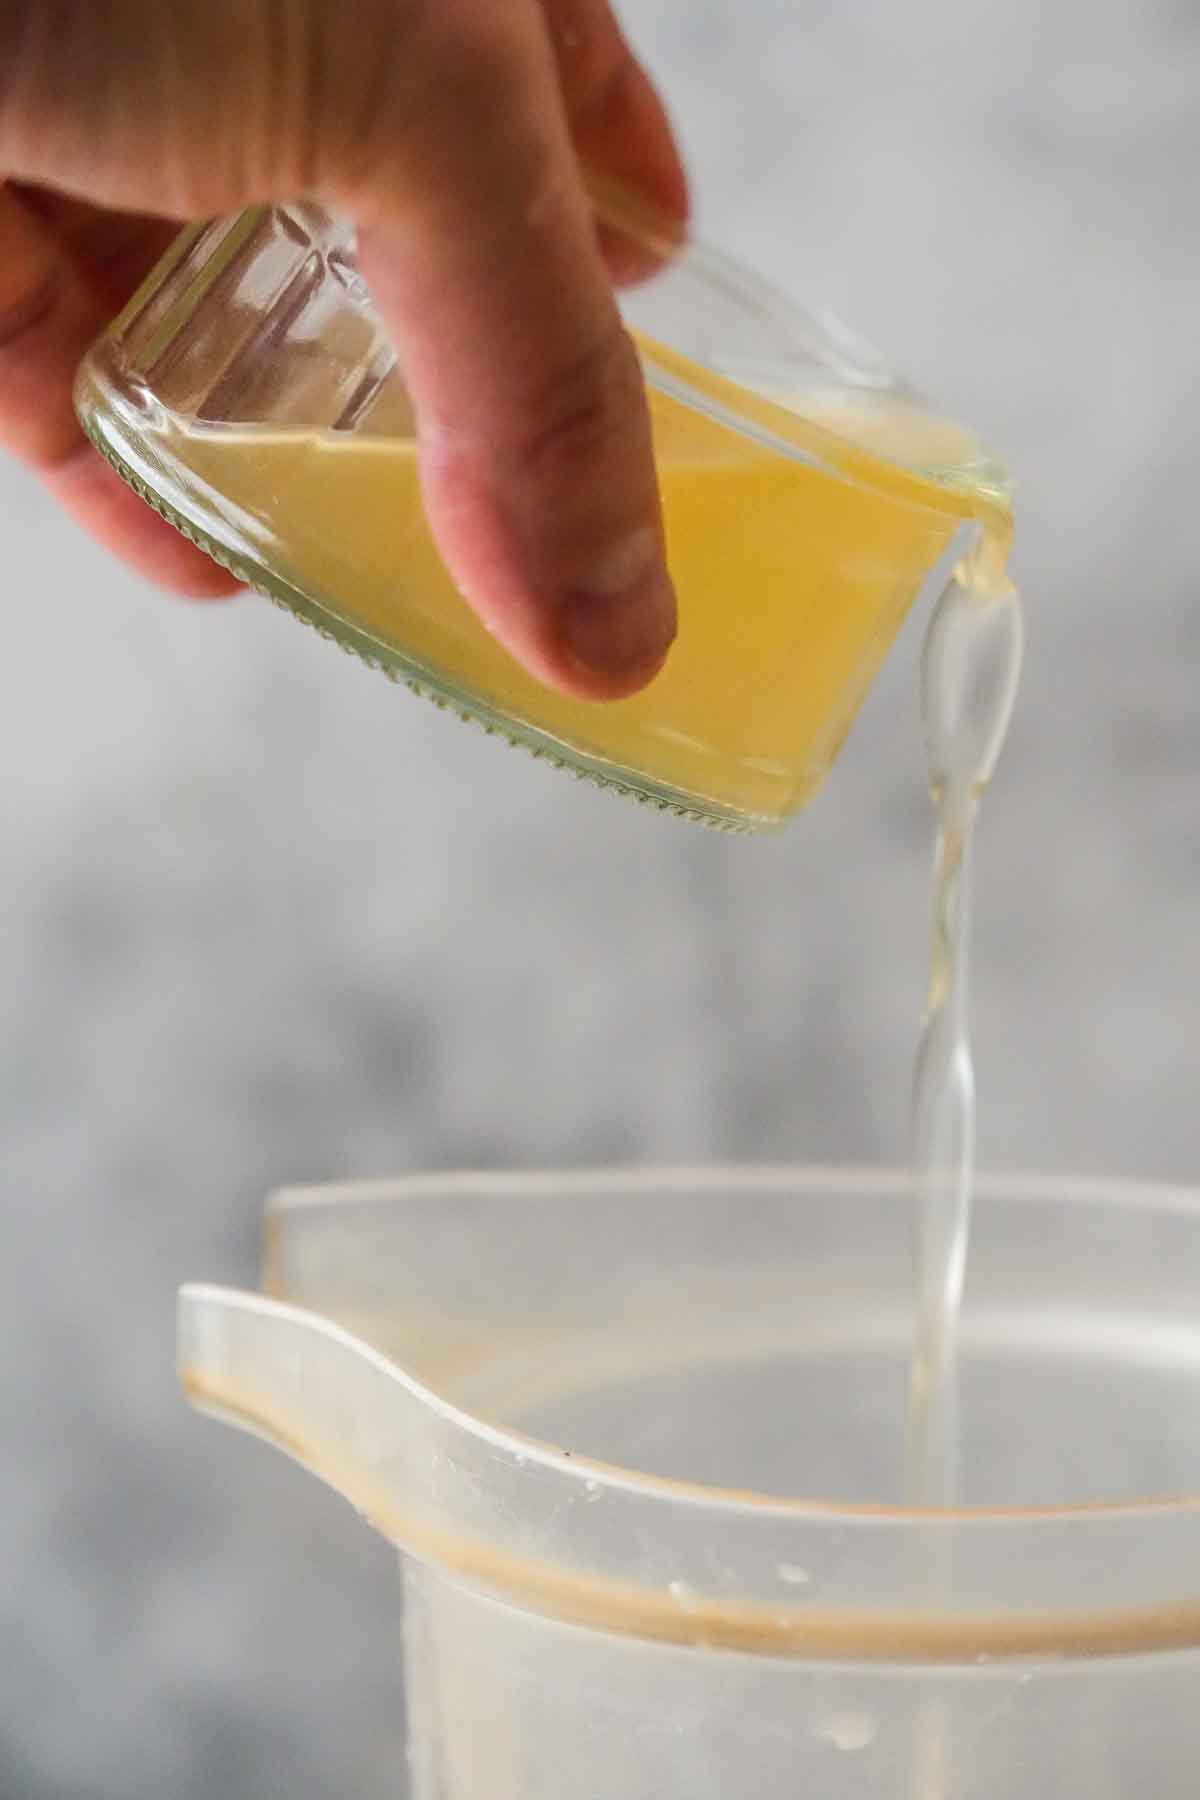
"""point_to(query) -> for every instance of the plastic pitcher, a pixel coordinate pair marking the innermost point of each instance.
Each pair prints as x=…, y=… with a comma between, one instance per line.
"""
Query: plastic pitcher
x=249, y=393
x=637, y=1438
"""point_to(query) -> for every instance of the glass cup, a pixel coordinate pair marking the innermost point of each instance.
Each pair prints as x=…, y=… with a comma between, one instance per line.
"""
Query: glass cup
x=639, y=1440
x=249, y=393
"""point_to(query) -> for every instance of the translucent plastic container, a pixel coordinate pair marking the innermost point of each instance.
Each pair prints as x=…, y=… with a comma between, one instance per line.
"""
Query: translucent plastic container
x=249, y=393
x=638, y=1439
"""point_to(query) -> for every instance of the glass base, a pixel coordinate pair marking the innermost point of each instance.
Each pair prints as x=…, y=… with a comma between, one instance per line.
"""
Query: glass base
x=419, y=678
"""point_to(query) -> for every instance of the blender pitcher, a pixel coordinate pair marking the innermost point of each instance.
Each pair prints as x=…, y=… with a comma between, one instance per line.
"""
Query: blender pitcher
x=639, y=1441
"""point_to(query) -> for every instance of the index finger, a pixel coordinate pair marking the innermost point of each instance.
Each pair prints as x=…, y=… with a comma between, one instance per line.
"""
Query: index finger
x=533, y=424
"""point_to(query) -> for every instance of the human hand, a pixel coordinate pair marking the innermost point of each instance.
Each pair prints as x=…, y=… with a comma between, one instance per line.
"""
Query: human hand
x=453, y=133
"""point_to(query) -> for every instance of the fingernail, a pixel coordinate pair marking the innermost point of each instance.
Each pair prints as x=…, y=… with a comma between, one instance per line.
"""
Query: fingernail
x=620, y=619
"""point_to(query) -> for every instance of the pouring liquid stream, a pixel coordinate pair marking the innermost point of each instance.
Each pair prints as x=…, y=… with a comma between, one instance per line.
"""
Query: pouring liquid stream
x=970, y=667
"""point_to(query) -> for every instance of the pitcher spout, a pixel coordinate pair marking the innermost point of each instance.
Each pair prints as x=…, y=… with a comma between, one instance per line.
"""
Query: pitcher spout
x=305, y=1385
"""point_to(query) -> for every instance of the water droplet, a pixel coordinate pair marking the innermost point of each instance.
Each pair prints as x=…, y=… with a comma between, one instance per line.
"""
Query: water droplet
x=592, y=1488
x=683, y=1595
x=849, y=1730
x=794, y=1575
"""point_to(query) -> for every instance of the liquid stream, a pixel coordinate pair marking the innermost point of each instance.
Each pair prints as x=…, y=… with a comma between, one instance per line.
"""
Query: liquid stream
x=970, y=668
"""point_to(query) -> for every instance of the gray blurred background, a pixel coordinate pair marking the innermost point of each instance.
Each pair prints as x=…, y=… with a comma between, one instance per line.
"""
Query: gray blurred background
x=266, y=919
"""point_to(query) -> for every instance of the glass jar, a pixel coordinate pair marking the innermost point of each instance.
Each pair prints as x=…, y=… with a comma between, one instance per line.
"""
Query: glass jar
x=249, y=393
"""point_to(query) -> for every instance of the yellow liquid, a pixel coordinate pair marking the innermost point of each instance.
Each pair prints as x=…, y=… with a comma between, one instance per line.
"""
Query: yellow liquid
x=792, y=581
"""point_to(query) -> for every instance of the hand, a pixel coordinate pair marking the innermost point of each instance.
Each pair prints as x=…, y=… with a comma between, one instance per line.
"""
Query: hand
x=452, y=132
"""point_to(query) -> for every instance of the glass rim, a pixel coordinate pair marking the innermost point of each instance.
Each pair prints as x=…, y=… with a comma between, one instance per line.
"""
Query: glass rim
x=815, y=336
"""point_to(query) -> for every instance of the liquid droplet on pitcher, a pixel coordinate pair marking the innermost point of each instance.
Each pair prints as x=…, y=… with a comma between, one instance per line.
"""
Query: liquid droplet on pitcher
x=684, y=1596
x=794, y=1575
x=849, y=1730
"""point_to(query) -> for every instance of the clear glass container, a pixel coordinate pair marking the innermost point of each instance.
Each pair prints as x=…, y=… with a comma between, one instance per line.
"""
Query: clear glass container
x=638, y=1438
x=249, y=393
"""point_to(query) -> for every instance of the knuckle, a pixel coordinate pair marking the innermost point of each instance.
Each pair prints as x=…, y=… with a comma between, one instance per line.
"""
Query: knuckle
x=473, y=43
x=583, y=408
x=350, y=77
x=409, y=66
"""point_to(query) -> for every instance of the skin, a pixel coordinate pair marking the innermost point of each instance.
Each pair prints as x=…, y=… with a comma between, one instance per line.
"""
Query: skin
x=453, y=133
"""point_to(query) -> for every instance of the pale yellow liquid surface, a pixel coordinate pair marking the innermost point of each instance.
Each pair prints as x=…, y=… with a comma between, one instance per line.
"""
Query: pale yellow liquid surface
x=792, y=578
